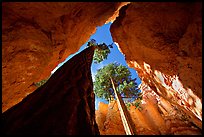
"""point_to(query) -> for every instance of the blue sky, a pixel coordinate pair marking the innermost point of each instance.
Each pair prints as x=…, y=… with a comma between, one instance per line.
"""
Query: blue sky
x=103, y=35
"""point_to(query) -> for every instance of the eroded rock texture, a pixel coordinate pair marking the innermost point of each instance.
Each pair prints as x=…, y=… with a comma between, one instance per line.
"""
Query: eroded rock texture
x=60, y=106
x=156, y=116
x=163, y=42
x=109, y=120
x=36, y=37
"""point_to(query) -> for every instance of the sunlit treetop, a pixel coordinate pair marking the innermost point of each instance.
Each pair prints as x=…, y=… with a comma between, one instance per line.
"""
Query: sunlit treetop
x=121, y=76
x=101, y=52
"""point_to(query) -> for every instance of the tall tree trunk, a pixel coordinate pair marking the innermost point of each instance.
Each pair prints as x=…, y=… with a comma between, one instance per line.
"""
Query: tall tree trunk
x=123, y=112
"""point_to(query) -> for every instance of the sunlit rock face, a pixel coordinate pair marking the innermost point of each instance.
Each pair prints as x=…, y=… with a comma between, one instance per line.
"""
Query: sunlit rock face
x=101, y=116
x=36, y=37
x=156, y=116
x=60, y=106
x=162, y=41
x=161, y=117
x=109, y=120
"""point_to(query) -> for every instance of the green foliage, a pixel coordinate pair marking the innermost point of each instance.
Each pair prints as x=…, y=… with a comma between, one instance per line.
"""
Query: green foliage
x=40, y=83
x=125, y=85
x=128, y=105
x=101, y=52
x=137, y=102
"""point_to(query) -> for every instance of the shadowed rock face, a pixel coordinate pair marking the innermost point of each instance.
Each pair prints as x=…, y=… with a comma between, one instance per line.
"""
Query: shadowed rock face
x=36, y=37
x=162, y=41
x=62, y=106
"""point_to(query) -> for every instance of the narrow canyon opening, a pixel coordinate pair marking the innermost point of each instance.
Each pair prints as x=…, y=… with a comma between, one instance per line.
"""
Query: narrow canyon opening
x=102, y=35
x=160, y=42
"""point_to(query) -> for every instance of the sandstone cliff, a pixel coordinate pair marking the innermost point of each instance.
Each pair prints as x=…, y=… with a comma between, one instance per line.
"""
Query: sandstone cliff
x=162, y=41
x=36, y=37
x=109, y=120
x=60, y=106
x=156, y=116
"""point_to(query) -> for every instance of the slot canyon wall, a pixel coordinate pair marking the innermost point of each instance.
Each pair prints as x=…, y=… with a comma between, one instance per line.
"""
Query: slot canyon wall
x=109, y=120
x=60, y=106
x=156, y=116
x=162, y=41
x=36, y=37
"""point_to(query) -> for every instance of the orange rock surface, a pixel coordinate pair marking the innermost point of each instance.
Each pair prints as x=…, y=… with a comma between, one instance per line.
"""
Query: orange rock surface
x=36, y=37
x=162, y=41
x=60, y=106
x=109, y=120
x=157, y=116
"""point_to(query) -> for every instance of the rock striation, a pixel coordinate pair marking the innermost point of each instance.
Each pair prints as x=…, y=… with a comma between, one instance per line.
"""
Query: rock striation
x=163, y=43
x=60, y=106
x=156, y=116
x=109, y=120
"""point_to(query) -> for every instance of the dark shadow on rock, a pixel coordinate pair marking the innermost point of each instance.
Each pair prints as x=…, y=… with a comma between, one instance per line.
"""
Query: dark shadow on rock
x=64, y=105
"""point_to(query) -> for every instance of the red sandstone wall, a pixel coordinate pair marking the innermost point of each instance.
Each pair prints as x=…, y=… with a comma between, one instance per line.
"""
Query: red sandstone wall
x=36, y=37
x=157, y=116
x=163, y=42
